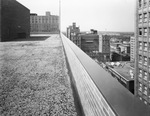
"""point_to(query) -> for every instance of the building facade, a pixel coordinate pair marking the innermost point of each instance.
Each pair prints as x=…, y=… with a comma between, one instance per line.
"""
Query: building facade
x=44, y=24
x=14, y=20
x=90, y=44
x=104, y=47
x=132, y=49
x=142, y=61
x=73, y=33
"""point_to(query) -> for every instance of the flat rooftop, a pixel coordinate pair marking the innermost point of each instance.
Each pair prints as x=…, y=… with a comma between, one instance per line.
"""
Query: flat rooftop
x=34, y=78
x=124, y=69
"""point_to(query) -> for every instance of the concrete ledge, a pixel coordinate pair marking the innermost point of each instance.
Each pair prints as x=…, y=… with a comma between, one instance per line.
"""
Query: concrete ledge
x=92, y=100
x=100, y=94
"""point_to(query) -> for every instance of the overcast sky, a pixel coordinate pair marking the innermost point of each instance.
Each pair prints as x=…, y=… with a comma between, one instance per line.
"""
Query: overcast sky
x=103, y=15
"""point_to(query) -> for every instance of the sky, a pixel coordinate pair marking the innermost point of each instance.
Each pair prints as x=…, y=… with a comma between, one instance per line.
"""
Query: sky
x=102, y=15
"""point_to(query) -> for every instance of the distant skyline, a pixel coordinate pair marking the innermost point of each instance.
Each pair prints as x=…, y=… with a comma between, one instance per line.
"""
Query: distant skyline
x=102, y=15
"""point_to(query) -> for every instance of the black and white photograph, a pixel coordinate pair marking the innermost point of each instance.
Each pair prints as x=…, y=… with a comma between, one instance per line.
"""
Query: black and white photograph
x=74, y=57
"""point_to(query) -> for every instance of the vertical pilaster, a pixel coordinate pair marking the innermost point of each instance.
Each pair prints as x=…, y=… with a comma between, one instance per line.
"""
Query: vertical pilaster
x=136, y=50
x=0, y=20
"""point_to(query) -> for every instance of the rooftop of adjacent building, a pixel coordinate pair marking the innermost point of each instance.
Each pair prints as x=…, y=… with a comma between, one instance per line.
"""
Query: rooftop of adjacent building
x=123, y=68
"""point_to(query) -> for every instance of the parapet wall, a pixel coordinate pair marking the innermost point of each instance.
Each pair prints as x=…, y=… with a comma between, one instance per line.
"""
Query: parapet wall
x=99, y=93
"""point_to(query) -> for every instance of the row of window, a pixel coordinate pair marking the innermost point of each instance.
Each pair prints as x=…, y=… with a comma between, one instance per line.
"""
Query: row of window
x=43, y=18
x=143, y=100
x=43, y=21
x=144, y=46
x=144, y=60
x=44, y=26
x=143, y=88
x=143, y=17
x=145, y=91
x=143, y=31
x=144, y=2
x=144, y=74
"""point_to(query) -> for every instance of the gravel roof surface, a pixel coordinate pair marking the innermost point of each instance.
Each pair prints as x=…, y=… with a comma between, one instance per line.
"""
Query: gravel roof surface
x=34, y=79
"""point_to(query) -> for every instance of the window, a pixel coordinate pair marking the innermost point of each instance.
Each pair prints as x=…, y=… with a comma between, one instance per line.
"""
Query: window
x=140, y=87
x=145, y=60
x=145, y=17
x=140, y=45
x=145, y=46
x=140, y=98
x=140, y=3
x=145, y=102
x=144, y=2
x=140, y=18
x=145, y=90
x=145, y=31
x=32, y=21
x=145, y=76
x=140, y=31
x=140, y=73
x=140, y=59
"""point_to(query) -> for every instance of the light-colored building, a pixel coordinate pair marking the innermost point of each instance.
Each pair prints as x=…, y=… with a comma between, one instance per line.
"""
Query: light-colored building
x=44, y=24
x=142, y=60
x=104, y=47
x=132, y=49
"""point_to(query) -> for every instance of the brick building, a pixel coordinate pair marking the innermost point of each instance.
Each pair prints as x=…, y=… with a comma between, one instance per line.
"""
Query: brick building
x=104, y=48
x=44, y=24
x=14, y=20
x=90, y=44
x=73, y=33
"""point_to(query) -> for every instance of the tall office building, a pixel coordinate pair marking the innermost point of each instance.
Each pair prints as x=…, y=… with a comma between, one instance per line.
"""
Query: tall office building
x=44, y=24
x=142, y=61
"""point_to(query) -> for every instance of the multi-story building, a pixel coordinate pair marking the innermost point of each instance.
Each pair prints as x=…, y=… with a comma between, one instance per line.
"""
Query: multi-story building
x=125, y=49
x=142, y=60
x=104, y=47
x=14, y=20
x=123, y=72
x=44, y=24
x=132, y=49
x=90, y=43
x=73, y=33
